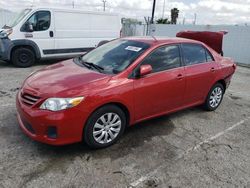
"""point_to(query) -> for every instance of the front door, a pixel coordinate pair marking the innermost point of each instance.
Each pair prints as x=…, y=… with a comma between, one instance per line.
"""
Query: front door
x=163, y=89
x=42, y=32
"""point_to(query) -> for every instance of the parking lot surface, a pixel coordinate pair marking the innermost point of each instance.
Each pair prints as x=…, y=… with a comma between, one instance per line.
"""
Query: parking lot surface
x=190, y=148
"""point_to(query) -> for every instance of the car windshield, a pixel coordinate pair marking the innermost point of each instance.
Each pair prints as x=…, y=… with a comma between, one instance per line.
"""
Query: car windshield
x=114, y=57
x=13, y=22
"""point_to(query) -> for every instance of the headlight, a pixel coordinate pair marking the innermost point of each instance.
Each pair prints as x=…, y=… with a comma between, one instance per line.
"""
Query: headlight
x=56, y=104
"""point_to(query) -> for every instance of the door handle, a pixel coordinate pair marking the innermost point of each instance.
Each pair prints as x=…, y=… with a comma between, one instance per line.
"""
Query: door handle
x=51, y=34
x=212, y=69
x=180, y=77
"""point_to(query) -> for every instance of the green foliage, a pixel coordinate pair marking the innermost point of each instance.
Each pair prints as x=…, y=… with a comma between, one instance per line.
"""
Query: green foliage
x=163, y=21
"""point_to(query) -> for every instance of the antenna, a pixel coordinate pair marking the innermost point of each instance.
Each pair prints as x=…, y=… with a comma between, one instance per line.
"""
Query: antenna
x=154, y=38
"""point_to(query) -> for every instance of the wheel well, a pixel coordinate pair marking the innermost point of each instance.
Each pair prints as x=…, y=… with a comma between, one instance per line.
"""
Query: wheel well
x=223, y=83
x=23, y=46
x=122, y=107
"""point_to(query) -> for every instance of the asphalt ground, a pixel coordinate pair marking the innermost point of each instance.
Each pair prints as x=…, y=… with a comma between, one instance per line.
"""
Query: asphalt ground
x=190, y=148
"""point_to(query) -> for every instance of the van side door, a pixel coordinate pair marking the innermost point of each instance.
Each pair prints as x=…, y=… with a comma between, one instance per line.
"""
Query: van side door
x=39, y=28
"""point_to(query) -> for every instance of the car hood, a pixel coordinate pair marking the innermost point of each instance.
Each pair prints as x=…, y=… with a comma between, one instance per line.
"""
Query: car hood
x=65, y=78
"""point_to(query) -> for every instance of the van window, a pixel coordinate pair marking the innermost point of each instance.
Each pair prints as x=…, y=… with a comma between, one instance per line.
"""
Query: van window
x=39, y=20
x=193, y=54
x=13, y=22
x=164, y=58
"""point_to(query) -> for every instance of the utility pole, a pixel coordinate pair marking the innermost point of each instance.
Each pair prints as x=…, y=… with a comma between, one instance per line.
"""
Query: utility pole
x=163, y=9
x=104, y=4
x=153, y=12
x=195, y=18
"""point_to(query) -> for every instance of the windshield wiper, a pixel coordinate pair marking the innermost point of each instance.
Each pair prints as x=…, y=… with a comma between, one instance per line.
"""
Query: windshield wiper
x=92, y=65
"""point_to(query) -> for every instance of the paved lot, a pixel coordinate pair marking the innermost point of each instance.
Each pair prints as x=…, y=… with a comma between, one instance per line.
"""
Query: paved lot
x=191, y=148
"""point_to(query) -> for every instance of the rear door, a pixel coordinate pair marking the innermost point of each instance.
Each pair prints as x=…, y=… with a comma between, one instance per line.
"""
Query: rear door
x=200, y=69
x=162, y=90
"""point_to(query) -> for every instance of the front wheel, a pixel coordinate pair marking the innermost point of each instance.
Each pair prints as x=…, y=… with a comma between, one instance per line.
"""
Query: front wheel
x=23, y=57
x=214, y=97
x=104, y=127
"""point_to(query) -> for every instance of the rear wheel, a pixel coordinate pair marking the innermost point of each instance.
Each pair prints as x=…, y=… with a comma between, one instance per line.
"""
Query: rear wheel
x=23, y=57
x=214, y=97
x=105, y=126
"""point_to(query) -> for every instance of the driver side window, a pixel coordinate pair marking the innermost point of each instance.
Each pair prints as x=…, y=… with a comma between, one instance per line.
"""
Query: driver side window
x=164, y=58
x=39, y=20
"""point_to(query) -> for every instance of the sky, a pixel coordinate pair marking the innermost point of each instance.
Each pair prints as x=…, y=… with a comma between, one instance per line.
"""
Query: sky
x=208, y=12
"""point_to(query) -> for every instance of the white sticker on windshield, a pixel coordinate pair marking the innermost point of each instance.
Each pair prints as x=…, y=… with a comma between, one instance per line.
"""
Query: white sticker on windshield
x=133, y=48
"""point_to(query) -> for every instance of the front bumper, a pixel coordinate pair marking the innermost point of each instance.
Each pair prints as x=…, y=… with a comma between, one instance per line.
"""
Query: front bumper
x=5, y=46
x=37, y=124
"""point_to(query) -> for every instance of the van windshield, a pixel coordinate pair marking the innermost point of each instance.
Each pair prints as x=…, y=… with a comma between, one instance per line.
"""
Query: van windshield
x=114, y=57
x=13, y=22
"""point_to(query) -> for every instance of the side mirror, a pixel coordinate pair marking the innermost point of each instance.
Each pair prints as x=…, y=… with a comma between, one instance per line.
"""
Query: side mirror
x=29, y=27
x=145, y=69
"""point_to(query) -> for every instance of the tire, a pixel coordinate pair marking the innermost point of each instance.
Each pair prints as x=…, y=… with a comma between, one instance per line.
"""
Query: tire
x=23, y=57
x=95, y=127
x=214, y=97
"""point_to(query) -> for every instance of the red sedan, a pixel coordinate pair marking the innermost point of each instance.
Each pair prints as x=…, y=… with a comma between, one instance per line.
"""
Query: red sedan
x=95, y=97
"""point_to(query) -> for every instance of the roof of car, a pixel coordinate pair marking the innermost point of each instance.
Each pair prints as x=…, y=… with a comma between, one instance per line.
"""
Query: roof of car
x=157, y=39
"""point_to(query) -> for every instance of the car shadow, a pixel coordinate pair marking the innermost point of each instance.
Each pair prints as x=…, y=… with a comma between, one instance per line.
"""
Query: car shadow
x=134, y=137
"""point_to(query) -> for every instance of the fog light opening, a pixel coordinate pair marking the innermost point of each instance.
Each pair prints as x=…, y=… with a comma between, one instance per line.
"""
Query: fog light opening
x=52, y=132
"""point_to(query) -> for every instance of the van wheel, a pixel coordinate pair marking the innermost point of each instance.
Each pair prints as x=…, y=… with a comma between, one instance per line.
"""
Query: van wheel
x=214, y=97
x=104, y=127
x=23, y=57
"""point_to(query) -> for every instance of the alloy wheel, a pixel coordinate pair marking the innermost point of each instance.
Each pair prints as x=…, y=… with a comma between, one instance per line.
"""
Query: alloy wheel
x=107, y=128
x=215, y=97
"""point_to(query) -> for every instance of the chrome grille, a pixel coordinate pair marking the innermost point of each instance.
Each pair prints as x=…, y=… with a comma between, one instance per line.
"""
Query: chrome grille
x=29, y=99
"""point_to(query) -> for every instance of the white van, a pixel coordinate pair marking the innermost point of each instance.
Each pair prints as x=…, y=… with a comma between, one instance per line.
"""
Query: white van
x=39, y=33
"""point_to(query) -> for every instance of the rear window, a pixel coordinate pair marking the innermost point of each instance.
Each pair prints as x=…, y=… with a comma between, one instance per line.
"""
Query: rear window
x=194, y=54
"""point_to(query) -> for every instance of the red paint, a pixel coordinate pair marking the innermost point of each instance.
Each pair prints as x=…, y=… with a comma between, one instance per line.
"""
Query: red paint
x=212, y=39
x=152, y=95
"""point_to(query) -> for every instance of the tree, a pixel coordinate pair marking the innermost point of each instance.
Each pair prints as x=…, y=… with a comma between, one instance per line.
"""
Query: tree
x=174, y=15
x=163, y=21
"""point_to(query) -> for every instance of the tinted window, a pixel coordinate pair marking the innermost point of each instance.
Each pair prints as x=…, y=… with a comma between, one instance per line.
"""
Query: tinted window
x=193, y=54
x=163, y=58
x=39, y=20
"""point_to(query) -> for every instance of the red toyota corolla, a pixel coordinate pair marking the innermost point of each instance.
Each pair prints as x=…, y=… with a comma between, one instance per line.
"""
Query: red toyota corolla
x=95, y=97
